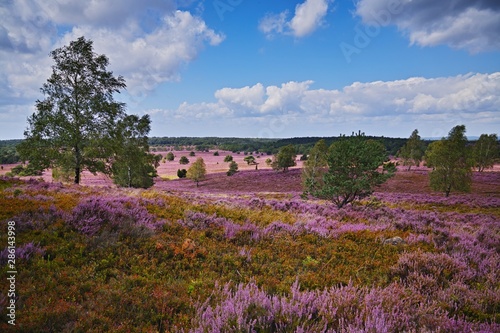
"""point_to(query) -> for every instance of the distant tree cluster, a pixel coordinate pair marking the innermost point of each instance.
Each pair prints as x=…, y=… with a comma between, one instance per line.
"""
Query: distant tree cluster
x=8, y=152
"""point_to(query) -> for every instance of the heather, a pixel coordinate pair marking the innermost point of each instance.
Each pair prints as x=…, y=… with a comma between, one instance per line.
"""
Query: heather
x=94, y=259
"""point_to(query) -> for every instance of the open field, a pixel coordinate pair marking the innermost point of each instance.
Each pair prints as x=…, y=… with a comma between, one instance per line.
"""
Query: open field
x=246, y=253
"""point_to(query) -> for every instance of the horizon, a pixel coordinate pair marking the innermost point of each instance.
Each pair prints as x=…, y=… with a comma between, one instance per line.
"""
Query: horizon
x=252, y=69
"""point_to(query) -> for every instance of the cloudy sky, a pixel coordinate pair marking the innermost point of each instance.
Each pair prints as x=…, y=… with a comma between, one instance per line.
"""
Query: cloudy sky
x=251, y=68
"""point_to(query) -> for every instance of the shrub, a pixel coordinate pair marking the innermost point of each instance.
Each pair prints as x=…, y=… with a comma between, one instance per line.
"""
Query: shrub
x=181, y=173
x=115, y=215
x=184, y=160
x=170, y=156
x=233, y=168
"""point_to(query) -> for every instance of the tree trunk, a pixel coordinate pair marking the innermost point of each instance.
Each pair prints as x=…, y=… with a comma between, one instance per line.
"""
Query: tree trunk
x=129, y=178
x=77, y=164
x=77, y=175
x=448, y=190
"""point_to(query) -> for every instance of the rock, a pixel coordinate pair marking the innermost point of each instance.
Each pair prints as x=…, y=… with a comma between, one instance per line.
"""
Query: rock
x=395, y=241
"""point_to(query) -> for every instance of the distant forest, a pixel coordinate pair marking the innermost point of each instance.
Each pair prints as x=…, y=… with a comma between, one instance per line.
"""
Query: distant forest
x=8, y=153
x=269, y=146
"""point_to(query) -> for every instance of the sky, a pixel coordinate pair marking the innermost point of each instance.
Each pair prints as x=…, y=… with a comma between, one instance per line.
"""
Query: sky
x=269, y=69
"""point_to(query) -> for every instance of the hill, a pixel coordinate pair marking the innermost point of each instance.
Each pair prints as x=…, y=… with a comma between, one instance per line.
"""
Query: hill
x=249, y=253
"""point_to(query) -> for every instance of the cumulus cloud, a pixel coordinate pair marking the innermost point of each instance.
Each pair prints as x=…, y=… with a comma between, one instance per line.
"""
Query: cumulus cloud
x=470, y=98
x=308, y=17
x=147, y=42
x=473, y=25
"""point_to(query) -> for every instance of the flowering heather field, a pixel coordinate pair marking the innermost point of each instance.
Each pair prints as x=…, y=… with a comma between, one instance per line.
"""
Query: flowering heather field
x=247, y=254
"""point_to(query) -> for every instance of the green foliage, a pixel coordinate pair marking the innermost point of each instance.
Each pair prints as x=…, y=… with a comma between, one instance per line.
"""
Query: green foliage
x=315, y=167
x=451, y=161
x=233, y=168
x=285, y=158
x=184, y=160
x=249, y=159
x=228, y=158
x=62, y=175
x=77, y=114
x=170, y=156
x=8, y=152
x=216, y=153
x=353, y=171
x=181, y=173
x=133, y=165
x=197, y=171
x=485, y=151
x=412, y=152
x=21, y=170
x=192, y=153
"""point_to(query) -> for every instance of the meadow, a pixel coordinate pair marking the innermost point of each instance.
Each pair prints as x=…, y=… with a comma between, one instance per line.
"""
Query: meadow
x=247, y=254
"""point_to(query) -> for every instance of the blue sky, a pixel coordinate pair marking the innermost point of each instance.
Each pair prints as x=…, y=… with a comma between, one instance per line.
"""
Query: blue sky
x=270, y=69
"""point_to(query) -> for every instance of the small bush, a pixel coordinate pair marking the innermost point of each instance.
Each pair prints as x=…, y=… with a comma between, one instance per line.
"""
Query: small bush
x=181, y=173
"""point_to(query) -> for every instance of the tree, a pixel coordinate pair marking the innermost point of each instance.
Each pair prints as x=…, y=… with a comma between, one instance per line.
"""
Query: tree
x=184, y=160
x=451, y=162
x=412, y=152
x=485, y=151
x=197, y=171
x=228, y=158
x=249, y=159
x=233, y=168
x=133, y=165
x=181, y=173
x=170, y=156
x=315, y=167
x=353, y=170
x=285, y=158
x=77, y=114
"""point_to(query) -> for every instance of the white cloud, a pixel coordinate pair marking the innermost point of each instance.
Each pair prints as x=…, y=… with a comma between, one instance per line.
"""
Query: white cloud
x=463, y=24
x=274, y=24
x=308, y=17
x=150, y=59
x=147, y=42
x=434, y=104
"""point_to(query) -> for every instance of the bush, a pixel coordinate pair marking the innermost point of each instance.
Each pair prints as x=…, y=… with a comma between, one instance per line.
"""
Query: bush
x=182, y=173
x=170, y=156
x=184, y=160
x=228, y=158
x=233, y=168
